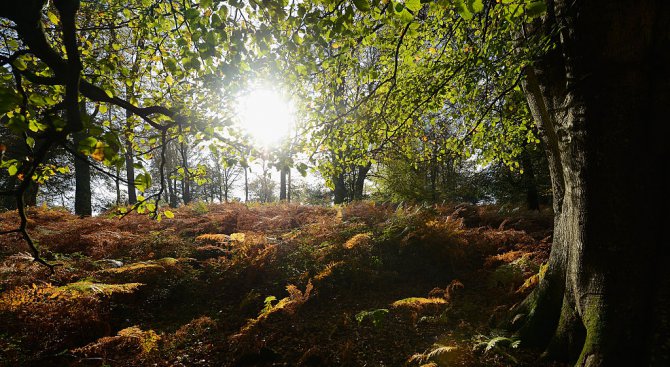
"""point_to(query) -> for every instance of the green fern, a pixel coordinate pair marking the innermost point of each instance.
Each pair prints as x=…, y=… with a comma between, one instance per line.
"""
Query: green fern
x=499, y=345
x=375, y=316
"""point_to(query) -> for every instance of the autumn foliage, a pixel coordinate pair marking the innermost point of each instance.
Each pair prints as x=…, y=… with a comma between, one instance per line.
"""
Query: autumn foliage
x=235, y=285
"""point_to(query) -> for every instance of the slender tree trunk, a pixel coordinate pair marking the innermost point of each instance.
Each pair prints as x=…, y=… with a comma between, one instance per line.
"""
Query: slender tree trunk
x=130, y=161
x=219, y=178
x=221, y=191
x=117, y=184
x=246, y=185
x=288, y=187
x=185, y=183
x=598, y=99
x=130, y=173
x=82, y=176
x=282, y=184
x=433, y=175
x=174, y=199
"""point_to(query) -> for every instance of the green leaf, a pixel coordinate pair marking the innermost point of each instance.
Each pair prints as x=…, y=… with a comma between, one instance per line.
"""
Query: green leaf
x=143, y=181
x=302, y=168
x=35, y=126
x=87, y=146
x=413, y=5
x=30, y=141
x=8, y=99
x=40, y=100
x=17, y=123
x=13, y=169
x=463, y=10
x=475, y=6
x=191, y=13
x=20, y=64
x=362, y=5
x=535, y=9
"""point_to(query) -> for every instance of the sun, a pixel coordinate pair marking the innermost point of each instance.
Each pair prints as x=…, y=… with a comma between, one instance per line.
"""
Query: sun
x=266, y=115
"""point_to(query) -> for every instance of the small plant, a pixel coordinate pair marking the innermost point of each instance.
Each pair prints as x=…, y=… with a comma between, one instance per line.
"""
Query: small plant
x=438, y=355
x=200, y=207
x=498, y=345
x=376, y=317
x=268, y=305
x=131, y=340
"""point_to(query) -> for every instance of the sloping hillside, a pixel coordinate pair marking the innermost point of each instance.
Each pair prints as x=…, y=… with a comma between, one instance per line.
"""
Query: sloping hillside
x=276, y=285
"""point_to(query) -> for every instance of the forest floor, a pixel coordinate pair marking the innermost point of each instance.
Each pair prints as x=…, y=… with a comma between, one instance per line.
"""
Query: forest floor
x=271, y=285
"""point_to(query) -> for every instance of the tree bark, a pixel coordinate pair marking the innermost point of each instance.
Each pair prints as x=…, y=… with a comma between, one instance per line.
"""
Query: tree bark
x=340, y=189
x=186, y=182
x=30, y=196
x=130, y=161
x=598, y=99
x=359, y=184
x=117, y=185
x=174, y=199
x=82, y=176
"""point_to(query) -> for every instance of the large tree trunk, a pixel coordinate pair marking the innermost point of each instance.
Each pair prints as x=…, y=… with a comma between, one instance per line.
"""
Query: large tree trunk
x=30, y=196
x=340, y=189
x=598, y=99
x=359, y=184
x=82, y=177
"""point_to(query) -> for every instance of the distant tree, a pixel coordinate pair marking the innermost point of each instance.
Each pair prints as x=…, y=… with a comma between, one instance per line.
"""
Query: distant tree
x=228, y=174
x=310, y=193
x=262, y=187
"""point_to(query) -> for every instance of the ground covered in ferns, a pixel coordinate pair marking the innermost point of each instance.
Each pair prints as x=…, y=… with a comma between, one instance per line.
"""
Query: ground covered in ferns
x=271, y=285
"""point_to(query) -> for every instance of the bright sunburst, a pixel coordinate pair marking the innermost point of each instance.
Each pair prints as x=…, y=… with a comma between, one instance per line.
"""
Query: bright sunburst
x=266, y=115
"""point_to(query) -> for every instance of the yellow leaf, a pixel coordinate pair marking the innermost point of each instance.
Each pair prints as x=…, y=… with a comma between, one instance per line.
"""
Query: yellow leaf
x=53, y=18
x=99, y=152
